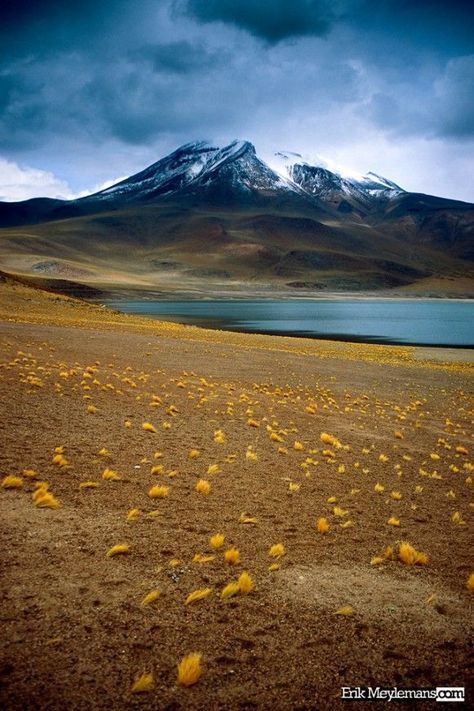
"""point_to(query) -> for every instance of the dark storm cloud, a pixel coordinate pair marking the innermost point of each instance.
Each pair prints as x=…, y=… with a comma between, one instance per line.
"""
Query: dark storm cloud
x=144, y=76
x=177, y=57
x=272, y=20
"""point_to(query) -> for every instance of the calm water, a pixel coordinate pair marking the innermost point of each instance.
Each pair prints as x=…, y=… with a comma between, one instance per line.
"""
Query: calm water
x=434, y=322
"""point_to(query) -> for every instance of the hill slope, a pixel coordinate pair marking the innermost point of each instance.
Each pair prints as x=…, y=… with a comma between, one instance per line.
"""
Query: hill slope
x=220, y=219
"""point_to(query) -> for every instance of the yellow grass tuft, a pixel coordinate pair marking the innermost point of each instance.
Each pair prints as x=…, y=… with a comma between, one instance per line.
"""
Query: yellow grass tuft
x=158, y=492
x=148, y=427
x=12, y=482
x=393, y=521
x=232, y=556
x=88, y=484
x=217, y=540
x=292, y=487
x=92, y=409
x=189, y=669
x=110, y=475
x=59, y=450
x=250, y=455
x=377, y=560
x=298, y=446
x=396, y=495
x=457, y=519
x=322, y=525
x=274, y=566
x=339, y=511
x=194, y=454
x=277, y=550
x=213, y=469
x=253, y=423
x=410, y=556
x=203, y=486
x=330, y=439
x=151, y=597
x=198, y=595
x=59, y=460
x=199, y=558
x=118, y=549
x=245, y=583
x=133, y=514
x=379, y=488
x=243, y=518
x=219, y=437
x=144, y=683
x=30, y=473
x=230, y=590
x=157, y=469
x=275, y=437
x=346, y=611
x=104, y=452
x=44, y=499
x=461, y=450
x=470, y=583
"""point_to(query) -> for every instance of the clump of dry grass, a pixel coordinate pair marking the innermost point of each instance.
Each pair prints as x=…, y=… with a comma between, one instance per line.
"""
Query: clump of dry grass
x=189, y=669
x=143, y=683
x=232, y=556
x=217, y=540
x=322, y=525
x=150, y=597
x=470, y=582
x=245, y=583
x=194, y=454
x=199, y=558
x=111, y=475
x=60, y=460
x=148, y=427
x=277, y=550
x=327, y=438
x=198, y=595
x=203, y=486
x=44, y=499
x=118, y=549
x=133, y=514
x=158, y=492
x=230, y=590
x=12, y=482
x=88, y=484
x=393, y=521
x=219, y=437
x=410, y=556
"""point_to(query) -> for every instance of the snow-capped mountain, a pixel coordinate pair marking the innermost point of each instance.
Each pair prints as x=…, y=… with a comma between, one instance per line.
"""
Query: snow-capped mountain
x=345, y=192
x=207, y=215
x=203, y=168
x=235, y=173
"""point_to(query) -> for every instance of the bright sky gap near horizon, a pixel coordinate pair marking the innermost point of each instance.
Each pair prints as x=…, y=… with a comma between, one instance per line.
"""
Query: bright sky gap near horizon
x=92, y=93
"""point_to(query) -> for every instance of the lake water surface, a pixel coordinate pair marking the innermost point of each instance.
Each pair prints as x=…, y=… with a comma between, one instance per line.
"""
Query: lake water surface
x=434, y=322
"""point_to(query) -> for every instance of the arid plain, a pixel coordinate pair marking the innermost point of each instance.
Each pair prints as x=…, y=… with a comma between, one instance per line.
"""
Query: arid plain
x=317, y=462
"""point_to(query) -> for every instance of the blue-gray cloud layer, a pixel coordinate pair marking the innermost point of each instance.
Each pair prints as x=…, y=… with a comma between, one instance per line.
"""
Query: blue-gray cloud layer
x=154, y=73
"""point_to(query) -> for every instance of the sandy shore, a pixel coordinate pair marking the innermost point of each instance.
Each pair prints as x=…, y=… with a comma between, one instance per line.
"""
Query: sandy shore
x=75, y=634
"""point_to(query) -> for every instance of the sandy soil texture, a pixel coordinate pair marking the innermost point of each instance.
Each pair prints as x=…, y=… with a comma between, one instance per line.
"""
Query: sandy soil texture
x=283, y=432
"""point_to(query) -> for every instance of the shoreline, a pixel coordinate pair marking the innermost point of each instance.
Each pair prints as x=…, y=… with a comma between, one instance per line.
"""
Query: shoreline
x=373, y=439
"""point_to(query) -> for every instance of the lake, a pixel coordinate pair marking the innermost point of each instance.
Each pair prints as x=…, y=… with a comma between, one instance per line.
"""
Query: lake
x=433, y=322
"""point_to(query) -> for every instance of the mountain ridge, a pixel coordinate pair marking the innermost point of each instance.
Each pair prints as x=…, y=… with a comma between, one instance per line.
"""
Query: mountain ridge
x=206, y=217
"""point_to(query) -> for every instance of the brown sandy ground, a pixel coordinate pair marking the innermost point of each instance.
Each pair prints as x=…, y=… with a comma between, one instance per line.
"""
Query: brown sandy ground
x=74, y=632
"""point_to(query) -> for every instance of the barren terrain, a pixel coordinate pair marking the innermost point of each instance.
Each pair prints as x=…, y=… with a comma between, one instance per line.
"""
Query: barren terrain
x=376, y=440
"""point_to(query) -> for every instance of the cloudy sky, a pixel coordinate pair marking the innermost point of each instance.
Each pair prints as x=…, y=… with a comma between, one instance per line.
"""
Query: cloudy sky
x=94, y=91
